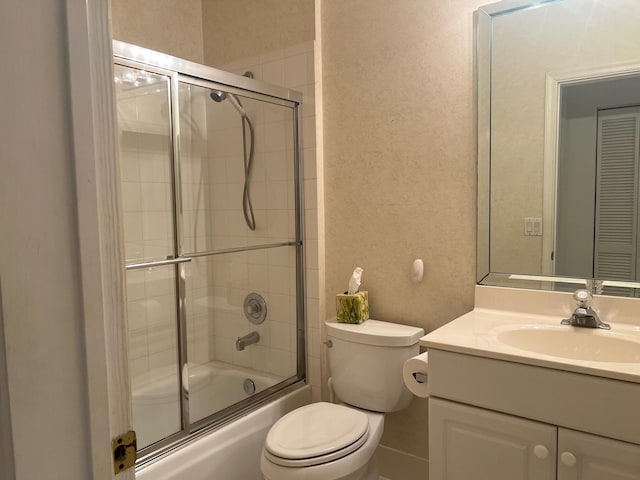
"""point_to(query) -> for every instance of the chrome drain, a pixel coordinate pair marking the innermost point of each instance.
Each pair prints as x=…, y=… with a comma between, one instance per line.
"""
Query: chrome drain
x=249, y=386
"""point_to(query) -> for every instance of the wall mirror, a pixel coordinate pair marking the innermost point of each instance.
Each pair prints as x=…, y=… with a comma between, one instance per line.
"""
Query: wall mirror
x=559, y=145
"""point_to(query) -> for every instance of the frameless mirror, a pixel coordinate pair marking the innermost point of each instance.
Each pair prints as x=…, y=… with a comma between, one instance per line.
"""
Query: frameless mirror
x=559, y=144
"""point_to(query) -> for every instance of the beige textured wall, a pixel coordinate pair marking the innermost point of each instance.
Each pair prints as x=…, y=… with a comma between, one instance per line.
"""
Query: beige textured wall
x=400, y=165
x=169, y=26
x=256, y=27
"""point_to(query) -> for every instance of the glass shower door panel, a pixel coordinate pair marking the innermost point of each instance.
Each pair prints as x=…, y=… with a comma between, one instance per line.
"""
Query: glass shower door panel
x=223, y=370
x=237, y=170
x=144, y=131
x=153, y=341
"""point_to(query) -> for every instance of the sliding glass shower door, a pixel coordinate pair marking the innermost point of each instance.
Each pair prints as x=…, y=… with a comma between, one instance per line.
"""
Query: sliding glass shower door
x=146, y=158
x=238, y=225
x=213, y=215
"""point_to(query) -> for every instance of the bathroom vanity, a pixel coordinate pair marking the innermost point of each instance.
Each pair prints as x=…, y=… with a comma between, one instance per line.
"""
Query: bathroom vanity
x=515, y=395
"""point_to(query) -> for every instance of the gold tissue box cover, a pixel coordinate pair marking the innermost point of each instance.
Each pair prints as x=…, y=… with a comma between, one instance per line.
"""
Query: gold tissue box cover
x=352, y=308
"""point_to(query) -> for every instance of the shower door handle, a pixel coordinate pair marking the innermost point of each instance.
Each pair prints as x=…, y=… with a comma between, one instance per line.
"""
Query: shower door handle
x=159, y=263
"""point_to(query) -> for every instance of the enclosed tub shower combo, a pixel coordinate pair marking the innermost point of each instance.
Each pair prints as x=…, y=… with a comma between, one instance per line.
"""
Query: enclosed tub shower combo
x=212, y=201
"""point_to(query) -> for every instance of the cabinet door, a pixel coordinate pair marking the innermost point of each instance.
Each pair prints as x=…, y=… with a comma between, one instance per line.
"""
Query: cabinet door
x=589, y=457
x=471, y=443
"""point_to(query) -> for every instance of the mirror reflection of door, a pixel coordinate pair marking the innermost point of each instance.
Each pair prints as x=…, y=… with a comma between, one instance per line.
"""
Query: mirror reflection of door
x=616, y=228
x=590, y=211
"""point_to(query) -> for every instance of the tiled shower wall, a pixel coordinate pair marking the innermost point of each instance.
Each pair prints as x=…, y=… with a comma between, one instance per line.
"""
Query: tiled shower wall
x=293, y=67
x=146, y=193
x=212, y=174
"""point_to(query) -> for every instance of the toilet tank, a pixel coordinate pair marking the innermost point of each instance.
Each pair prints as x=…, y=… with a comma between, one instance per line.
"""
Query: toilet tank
x=366, y=363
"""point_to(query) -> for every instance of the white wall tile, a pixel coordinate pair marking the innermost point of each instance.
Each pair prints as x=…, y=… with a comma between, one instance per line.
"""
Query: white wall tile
x=273, y=72
x=156, y=226
x=131, y=197
x=132, y=226
x=161, y=339
x=129, y=166
x=309, y=131
x=159, y=281
x=135, y=285
x=138, y=344
x=136, y=314
x=295, y=71
x=154, y=168
x=281, y=335
x=163, y=363
x=139, y=372
x=242, y=358
x=258, y=278
x=278, y=195
x=224, y=349
x=283, y=362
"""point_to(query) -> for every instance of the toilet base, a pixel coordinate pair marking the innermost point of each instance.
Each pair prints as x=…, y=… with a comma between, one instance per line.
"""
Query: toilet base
x=367, y=472
x=373, y=472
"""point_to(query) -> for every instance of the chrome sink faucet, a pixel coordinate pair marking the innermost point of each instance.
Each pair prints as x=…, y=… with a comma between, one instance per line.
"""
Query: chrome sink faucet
x=584, y=315
x=248, y=339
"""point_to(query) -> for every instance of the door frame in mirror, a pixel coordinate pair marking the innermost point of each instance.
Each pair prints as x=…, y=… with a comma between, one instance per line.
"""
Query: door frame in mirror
x=554, y=82
x=483, y=50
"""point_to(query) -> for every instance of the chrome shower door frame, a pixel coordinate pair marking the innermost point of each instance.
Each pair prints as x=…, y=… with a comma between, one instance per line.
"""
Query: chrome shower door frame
x=183, y=71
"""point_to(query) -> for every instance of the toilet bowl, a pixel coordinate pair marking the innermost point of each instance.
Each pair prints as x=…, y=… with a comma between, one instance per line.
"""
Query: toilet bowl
x=327, y=441
x=323, y=441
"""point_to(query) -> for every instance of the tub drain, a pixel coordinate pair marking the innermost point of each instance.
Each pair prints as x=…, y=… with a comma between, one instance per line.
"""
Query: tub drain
x=249, y=386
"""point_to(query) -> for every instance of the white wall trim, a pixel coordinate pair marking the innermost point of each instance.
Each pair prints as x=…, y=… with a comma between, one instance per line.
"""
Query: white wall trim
x=7, y=467
x=319, y=174
x=554, y=81
x=101, y=249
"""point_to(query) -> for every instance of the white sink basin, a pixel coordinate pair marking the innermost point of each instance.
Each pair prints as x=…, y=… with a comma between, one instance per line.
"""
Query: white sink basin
x=542, y=341
x=573, y=343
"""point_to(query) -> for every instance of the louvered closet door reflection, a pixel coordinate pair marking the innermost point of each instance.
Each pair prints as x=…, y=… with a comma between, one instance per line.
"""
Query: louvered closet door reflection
x=616, y=249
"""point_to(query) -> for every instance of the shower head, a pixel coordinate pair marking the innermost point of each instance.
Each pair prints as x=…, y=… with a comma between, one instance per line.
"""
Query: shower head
x=219, y=96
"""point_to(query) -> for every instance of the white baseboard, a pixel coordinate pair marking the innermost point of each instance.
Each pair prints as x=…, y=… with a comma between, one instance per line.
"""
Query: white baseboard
x=398, y=465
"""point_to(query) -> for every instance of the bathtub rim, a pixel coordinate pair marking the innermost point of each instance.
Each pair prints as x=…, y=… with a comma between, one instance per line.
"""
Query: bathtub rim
x=199, y=374
x=202, y=428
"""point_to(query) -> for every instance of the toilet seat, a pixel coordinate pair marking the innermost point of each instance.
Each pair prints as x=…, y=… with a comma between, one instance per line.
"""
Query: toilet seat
x=317, y=433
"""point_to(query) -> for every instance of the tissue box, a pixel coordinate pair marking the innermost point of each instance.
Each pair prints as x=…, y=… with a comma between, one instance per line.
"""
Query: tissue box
x=352, y=308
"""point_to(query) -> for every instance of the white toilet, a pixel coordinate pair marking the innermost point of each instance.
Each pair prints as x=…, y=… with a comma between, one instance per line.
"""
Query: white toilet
x=326, y=441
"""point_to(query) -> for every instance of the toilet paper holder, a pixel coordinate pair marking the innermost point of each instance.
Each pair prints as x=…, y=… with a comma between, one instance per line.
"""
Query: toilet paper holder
x=420, y=377
x=415, y=374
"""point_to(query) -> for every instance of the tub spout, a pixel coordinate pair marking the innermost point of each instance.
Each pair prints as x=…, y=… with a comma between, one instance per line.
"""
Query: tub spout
x=248, y=339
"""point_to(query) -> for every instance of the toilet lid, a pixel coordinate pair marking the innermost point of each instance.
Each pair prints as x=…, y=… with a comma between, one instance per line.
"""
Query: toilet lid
x=311, y=434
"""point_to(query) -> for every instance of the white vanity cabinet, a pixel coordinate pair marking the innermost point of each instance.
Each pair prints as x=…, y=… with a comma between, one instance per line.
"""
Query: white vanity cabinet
x=494, y=419
x=474, y=443
x=582, y=456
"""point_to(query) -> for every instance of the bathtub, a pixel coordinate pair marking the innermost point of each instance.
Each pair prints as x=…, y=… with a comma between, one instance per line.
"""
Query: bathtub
x=212, y=387
x=231, y=452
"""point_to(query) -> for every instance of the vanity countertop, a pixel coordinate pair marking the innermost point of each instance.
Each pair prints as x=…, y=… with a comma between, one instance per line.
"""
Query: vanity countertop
x=540, y=340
